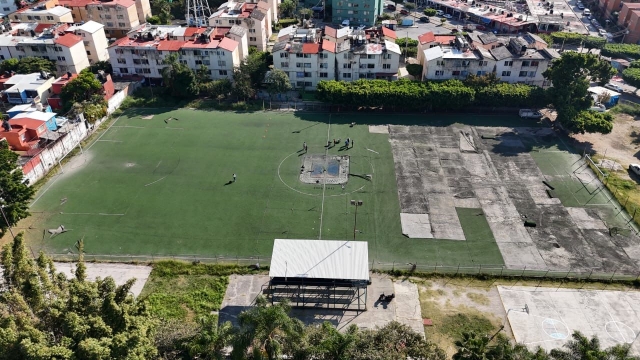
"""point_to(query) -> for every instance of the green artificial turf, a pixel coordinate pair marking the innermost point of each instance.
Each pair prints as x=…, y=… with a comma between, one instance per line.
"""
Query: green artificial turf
x=150, y=187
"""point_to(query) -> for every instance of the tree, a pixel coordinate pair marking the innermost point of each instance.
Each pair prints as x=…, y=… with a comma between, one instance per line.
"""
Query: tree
x=80, y=89
x=203, y=74
x=331, y=344
x=45, y=316
x=415, y=70
x=179, y=80
x=442, y=21
x=305, y=13
x=482, y=81
x=14, y=193
x=592, y=122
x=211, y=339
x=216, y=88
x=277, y=82
x=32, y=64
x=266, y=330
x=571, y=75
x=287, y=8
x=101, y=65
x=579, y=348
x=472, y=346
x=242, y=87
x=9, y=65
x=429, y=12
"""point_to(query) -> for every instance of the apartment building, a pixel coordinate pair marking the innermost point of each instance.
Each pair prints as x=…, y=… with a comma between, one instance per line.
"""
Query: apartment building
x=515, y=62
x=629, y=19
x=143, y=50
x=358, y=12
x=94, y=40
x=312, y=55
x=43, y=13
x=8, y=6
x=119, y=17
x=254, y=17
x=50, y=42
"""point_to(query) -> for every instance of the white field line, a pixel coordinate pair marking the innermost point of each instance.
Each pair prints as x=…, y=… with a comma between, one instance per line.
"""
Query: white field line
x=324, y=185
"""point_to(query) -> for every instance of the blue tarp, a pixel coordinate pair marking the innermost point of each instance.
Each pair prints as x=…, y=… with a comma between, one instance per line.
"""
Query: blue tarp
x=407, y=22
x=485, y=20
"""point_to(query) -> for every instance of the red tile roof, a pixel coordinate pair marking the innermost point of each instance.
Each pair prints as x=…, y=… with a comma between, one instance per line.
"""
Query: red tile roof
x=389, y=33
x=170, y=45
x=310, y=48
x=75, y=3
x=444, y=39
x=228, y=44
x=263, y=5
x=190, y=31
x=329, y=46
x=329, y=31
x=197, y=44
x=63, y=80
x=27, y=123
x=631, y=5
x=426, y=38
x=40, y=28
x=68, y=40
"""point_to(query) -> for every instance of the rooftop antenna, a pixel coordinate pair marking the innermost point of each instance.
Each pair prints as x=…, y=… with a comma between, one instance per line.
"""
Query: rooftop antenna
x=197, y=13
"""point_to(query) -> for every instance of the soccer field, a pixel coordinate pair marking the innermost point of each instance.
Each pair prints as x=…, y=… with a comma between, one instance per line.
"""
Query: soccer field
x=159, y=183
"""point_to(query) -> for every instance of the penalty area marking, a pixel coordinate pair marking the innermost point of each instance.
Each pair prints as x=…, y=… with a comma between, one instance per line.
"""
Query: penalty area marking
x=373, y=151
x=151, y=183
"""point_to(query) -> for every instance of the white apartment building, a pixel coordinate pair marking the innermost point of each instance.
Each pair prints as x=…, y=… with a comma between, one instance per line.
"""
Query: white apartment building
x=143, y=50
x=118, y=16
x=514, y=63
x=53, y=43
x=311, y=55
x=41, y=14
x=8, y=6
x=94, y=40
x=254, y=17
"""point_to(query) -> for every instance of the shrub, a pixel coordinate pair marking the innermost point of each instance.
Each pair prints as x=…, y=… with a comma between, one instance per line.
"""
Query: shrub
x=590, y=42
x=287, y=22
x=631, y=76
x=430, y=12
x=621, y=51
x=415, y=70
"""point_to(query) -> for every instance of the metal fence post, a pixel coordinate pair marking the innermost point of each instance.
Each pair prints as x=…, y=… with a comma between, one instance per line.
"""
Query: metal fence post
x=393, y=266
x=458, y=269
x=614, y=274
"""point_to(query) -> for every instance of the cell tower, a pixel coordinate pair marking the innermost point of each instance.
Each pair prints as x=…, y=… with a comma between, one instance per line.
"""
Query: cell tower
x=198, y=13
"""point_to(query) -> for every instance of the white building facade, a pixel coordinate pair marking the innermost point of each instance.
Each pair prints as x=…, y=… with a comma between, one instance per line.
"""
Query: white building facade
x=254, y=17
x=94, y=40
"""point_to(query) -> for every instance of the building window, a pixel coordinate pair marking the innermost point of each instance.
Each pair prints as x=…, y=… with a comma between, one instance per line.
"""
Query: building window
x=482, y=63
x=371, y=66
x=122, y=24
x=532, y=74
x=61, y=58
x=307, y=74
x=206, y=62
x=252, y=31
x=346, y=75
x=535, y=63
x=455, y=73
x=308, y=83
x=480, y=73
x=284, y=64
x=124, y=71
x=1, y=57
x=324, y=56
x=324, y=66
x=508, y=63
x=108, y=17
x=284, y=55
x=253, y=38
x=523, y=74
x=300, y=83
x=307, y=56
x=49, y=17
x=307, y=65
x=440, y=63
x=120, y=17
x=109, y=24
x=346, y=66
x=122, y=61
x=526, y=63
x=386, y=56
x=299, y=56
x=118, y=51
x=198, y=62
x=506, y=73
x=439, y=72
x=386, y=66
x=222, y=72
x=88, y=52
x=324, y=75
x=298, y=65
x=222, y=63
x=300, y=74
x=6, y=9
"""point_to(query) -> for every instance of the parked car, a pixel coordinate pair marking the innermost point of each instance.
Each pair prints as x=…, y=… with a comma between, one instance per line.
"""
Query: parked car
x=439, y=12
x=346, y=23
x=404, y=12
x=424, y=19
x=530, y=114
x=447, y=16
x=614, y=87
x=586, y=12
x=595, y=23
x=598, y=107
x=580, y=6
x=602, y=32
x=391, y=7
x=635, y=168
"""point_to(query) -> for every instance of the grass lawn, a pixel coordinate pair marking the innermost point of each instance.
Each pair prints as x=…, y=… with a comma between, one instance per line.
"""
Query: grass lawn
x=162, y=187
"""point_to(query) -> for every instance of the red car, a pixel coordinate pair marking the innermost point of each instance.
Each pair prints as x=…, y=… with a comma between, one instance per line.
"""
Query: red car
x=391, y=7
x=404, y=12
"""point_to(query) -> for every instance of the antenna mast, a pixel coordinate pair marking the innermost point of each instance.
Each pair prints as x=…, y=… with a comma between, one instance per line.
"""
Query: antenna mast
x=197, y=13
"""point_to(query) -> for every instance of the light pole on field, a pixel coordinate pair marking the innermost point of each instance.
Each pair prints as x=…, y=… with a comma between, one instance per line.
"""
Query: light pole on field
x=356, y=203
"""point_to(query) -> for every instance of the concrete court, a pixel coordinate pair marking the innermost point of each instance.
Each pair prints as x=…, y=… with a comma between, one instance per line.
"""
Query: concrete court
x=120, y=273
x=554, y=314
x=405, y=308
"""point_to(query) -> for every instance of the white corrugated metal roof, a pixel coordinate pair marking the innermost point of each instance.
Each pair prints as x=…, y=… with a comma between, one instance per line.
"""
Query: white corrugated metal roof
x=320, y=259
x=36, y=115
x=432, y=53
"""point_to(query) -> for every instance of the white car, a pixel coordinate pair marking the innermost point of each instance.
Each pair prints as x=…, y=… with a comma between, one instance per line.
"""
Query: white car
x=635, y=168
x=602, y=32
x=439, y=12
x=447, y=16
x=614, y=87
x=586, y=12
x=598, y=107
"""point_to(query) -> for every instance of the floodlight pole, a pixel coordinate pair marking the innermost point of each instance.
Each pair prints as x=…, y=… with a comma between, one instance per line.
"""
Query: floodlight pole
x=356, y=203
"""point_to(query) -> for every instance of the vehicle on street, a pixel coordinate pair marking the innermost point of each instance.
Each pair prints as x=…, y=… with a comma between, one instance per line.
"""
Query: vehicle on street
x=439, y=12
x=586, y=12
x=391, y=7
x=595, y=23
x=424, y=19
x=530, y=114
x=614, y=87
x=602, y=32
x=635, y=168
x=580, y=6
x=404, y=12
x=447, y=16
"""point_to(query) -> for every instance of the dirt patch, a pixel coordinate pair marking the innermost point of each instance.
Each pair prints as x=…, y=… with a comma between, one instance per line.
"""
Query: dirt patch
x=621, y=145
x=456, y=305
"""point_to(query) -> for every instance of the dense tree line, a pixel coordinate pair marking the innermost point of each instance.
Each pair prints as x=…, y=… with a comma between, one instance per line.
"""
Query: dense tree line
x=28, y=65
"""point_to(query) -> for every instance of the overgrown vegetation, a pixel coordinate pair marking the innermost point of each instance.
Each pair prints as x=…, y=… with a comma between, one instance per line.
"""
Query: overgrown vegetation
x=632, y=74
x=626, y=192
x=408, y=46
x=626, y=108
x=624, y=51
x=15, y=194
x=28, y=65
x=567, y=38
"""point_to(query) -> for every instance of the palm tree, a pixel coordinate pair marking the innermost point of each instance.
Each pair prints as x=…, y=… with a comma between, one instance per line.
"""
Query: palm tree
x=580, y=348
x=266, y=330
x=211, y=340
x=335, y=345
x=472, y=346
x=169, y=71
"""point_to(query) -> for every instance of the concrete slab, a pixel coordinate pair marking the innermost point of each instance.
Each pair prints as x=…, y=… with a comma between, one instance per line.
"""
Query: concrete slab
x=405, y=308
x=121, y=273
x=379, y=129
x=416, y=226
x=554, y=314
x=585, y=221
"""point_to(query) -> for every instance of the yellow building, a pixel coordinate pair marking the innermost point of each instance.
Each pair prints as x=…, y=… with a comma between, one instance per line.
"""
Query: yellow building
x=117, y=16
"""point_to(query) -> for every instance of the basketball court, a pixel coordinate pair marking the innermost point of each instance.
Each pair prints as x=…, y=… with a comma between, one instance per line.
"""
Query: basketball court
x=547, y=317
